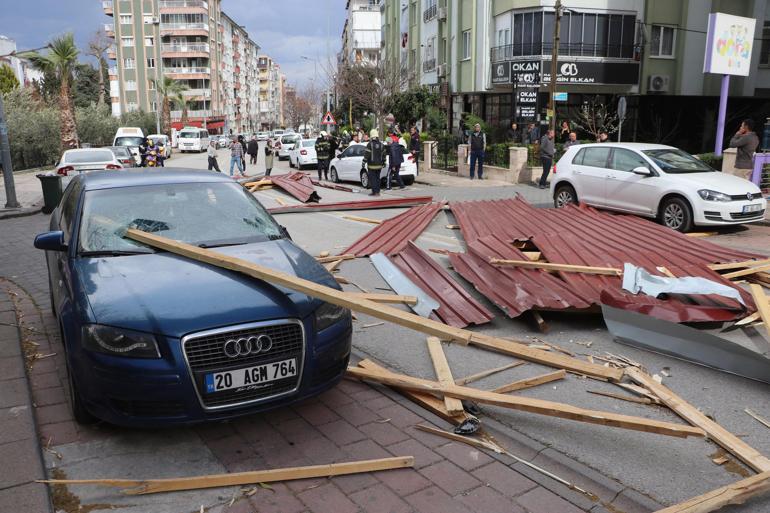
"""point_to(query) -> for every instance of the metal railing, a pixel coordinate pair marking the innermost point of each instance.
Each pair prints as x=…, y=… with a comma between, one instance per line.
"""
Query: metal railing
x=184, y=26
x=191, y=113
x=109, y=27
x=107, y=4
x=181, y=70
x=182, y=48
x=183, y=3
x=430, y=13
x=507, y=52
x=429, y=65
x=196, y=92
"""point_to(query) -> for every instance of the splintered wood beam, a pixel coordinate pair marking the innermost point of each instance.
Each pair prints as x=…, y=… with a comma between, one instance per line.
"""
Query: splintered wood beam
x=334, y=258
x=443, y=373
x=386, y=298
x=691, y=414
x=362, y=219
x=735, y=493
x=532, y=255
x=148, y=486
x=763, y=307
x=746, y=272
x=430, y=402
x=378, y=310
x=701, y=234
x=545, y=266
x=531, y=382
x=538, y=406
x=486, y=373
x=738, y=265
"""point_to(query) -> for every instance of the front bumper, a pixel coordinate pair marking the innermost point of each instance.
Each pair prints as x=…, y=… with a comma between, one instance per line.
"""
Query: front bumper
x=721, y=213
x=143, y=393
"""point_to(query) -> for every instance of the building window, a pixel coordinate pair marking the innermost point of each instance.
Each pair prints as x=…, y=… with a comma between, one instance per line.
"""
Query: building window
x=764, y=53
x=662, y=40
x=466, y=45
x=130, y=85
x=129, y=63
x=127, y=41
x=151, y=62
x=150, y=84
x=148, y=19
x=149, y=41
x=132, y=106
x=125, y=19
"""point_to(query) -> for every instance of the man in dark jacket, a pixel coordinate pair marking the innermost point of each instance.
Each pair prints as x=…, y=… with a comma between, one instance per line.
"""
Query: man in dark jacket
x=395, y=159
x=533, y=134
x=414, y=147
x=513, y=134
x=478, y=142
x=253, y=149
x=374, y=160
x=242, y=141
x=547, y=151
x=746, y=143
x=322, y=148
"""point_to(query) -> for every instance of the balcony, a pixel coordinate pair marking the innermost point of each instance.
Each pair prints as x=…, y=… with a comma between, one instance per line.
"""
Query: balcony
x=109, y=29
x=197, y=92
x=112, y=71
x=112, y=53
x=184, y=28
x=177, y=4
x=430, y=13
x=508, y=52
x=201, y=49
x=107, y=7
x=177, y=114
x=186, y=71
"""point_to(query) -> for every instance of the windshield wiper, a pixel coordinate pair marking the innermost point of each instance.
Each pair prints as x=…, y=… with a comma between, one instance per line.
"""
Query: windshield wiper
x=220, y=244
x=115, y=252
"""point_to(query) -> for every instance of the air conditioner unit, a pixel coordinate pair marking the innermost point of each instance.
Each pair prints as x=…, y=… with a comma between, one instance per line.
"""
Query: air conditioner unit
x=152, y=21
x=658, y=83
x=442, y=13
x=441, y=69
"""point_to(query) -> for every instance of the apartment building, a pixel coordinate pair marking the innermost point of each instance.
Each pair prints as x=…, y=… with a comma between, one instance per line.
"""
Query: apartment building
x=194, y=42
x=361, y=34
x=271, y=93
x=22, y=68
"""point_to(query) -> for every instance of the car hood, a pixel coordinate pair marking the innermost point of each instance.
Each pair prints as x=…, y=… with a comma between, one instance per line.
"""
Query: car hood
x=171, y=295
x=720, y=182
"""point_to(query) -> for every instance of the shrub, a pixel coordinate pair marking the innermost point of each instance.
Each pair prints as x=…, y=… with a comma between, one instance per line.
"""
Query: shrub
x=711, y=159
x=498, y=155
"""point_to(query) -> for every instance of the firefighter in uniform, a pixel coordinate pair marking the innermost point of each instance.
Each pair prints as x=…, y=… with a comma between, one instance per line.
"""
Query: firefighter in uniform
x=374, y=159
x=322, y=148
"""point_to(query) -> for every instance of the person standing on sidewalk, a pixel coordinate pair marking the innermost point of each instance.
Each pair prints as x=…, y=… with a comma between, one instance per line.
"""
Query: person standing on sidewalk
x=211, y=152
x=374, y=160
x=236, y=156
x=322, y=148
x=478, y=142
x=746, y=142
x=547, y=151
x=253, y=150
x=242, y=141
x=395, y=159
x=414, y=147
x=269, y=155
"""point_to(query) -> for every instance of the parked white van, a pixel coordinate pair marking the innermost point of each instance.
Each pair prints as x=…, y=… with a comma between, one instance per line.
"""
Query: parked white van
x=131, y=137
x=192, y=138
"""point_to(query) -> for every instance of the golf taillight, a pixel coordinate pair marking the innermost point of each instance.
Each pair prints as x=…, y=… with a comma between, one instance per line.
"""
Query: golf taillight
x=64, y=170
x=303, y=152
x=554, y=168
x=113, y=166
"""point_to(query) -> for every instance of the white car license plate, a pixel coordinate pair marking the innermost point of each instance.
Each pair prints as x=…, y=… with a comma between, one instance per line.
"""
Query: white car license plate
x=219, y=381
x=752, y=208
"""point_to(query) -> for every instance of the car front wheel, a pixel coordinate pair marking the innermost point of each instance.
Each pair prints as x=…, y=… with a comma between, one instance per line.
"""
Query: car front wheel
x=364, y=179
x=564, y=195
x=676, y=213
x=335, y=177
x=408, y=180
x=79, y=411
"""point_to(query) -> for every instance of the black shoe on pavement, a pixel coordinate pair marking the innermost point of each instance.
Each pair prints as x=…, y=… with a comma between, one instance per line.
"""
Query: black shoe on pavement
x=402, y=187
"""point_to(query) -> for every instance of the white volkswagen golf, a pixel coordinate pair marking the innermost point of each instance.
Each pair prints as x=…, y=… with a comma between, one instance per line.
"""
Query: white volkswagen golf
x=656, y=181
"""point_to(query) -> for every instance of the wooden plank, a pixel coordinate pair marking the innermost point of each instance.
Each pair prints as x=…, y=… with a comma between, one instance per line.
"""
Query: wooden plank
x=746, y=272
x=531, y=382
x=735, y=493
x=542, y=326
x=748, y=320
x=484, y=374
x=538, y=406
x=665, y=271
x=757, y=418
x=362, y=219
x=334, y=258
x=332, y=266
x=639, y=400
x=763, y=307
x=427, y=401
x=691, y=414
x=546, y=266
x=443, y=373
x=701, y=234
x=453, y=227
x=380, y=311
x=386, y=298
x=148, y=486
x=280, y=201
x=532, y=255
x=738, y=265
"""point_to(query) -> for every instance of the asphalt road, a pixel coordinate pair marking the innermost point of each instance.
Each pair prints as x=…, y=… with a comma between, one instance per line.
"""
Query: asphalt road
x=669, y=470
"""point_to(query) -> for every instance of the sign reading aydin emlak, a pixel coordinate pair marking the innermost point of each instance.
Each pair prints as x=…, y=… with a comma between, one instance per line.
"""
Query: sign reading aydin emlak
x=729, y=43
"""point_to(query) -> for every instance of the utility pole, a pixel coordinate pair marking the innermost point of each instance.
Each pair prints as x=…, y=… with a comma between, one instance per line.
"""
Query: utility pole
x=5, y=158
x=555, y=65
x=158, y=64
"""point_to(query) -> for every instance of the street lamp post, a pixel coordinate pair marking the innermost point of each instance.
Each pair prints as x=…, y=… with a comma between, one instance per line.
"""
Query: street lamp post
x=158, y=64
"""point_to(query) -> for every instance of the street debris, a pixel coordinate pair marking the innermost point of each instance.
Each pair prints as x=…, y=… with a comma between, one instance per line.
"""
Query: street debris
x=296, y=184
x=372, y=325
x=757, y=418
x=362, y=219
x=486, y=373
x=402, y=285
x=354, y=205
x=531, y=382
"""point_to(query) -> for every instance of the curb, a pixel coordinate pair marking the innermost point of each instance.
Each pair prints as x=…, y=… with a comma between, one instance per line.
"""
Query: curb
x=21, y=212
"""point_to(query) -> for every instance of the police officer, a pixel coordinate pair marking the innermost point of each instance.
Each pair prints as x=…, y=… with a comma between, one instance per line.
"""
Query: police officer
x=374, y=159
x=322, y=148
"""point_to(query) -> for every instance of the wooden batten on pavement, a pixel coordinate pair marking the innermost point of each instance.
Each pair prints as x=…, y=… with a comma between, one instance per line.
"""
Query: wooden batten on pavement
x=531, y=382
x=444, y=374
x=735, y=493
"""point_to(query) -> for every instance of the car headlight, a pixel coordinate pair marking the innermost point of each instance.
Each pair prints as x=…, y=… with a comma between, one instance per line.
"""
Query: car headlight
x=329, y=314
x=119, y=342
x=713, y=195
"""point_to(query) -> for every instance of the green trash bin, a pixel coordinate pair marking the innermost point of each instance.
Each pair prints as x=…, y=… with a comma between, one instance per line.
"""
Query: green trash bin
x=51, y=191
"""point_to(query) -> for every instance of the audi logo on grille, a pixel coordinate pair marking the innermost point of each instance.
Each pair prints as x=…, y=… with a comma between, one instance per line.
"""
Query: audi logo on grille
x=234, y=348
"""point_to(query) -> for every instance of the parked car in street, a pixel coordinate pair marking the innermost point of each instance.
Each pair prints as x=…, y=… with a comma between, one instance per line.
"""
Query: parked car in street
x=124, y=156
x=223, y=141
x=303, y=154
x=162, y=140
x=263, y=136
x=86, y=160
x=131, y=137
x=152, y=338
x=655, y=181
x=278, y=132
x=287, y=144
x=348, y=166
x=193, y=139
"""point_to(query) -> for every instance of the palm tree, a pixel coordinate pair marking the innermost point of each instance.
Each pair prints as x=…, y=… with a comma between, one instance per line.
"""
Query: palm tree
x=168, y=89
x=180, y=100
x=60, y=61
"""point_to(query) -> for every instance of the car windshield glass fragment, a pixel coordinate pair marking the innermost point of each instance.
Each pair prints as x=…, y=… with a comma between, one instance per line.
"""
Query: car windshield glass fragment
x=671, y=160
x=129, y=141
x=208, y=214
x=85, y=157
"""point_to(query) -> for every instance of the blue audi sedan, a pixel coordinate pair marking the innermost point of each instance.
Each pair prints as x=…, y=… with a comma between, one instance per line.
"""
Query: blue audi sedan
x=152, y=338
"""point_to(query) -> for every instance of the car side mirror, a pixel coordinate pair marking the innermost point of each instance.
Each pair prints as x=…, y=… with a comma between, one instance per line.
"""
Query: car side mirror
x=51, y=241
x=284, y=231
x=641, y=170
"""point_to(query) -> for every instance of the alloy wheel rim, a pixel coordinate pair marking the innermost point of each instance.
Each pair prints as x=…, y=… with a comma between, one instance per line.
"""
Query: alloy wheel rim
x=563, y=198
x=674, y=216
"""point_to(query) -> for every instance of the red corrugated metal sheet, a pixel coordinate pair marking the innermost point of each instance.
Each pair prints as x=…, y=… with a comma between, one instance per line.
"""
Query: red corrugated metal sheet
x=585, y=236
x=458, y=308
x=354, y=205
x=298, y=185
x=334, y=186
x=392, y=235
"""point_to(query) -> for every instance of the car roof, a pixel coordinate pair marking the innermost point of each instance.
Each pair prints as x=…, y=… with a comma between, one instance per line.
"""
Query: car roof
x=88, y=150
x=629, y=145
x=141, y=177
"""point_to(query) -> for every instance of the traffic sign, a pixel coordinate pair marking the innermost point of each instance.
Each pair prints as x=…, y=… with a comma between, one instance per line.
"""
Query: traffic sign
x=328, y=119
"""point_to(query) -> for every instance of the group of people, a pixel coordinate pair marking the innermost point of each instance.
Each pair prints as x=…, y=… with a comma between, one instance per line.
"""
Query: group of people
x=238, y=151
x=151, y=154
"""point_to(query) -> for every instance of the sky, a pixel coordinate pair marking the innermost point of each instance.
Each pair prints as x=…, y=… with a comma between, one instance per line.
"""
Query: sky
x=285, y=29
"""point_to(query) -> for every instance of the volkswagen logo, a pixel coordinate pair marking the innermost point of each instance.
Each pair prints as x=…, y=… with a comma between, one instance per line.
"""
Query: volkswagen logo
x=569, y=69
x=244, y=346
x=750, y=196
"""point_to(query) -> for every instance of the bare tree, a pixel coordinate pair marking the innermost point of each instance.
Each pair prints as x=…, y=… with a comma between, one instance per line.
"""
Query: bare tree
x=99, y=44
x=595, y=117
x=370, y=86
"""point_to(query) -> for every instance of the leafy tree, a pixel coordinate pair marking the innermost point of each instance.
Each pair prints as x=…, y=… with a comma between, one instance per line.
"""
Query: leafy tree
x=96, y=125
x=168, y=89
x=85, y=86
x=99, y=44
x=8, y=81
x=370, y=86
x=60, y=61
x=31, y=123
x=180, y=100
x=411, y=105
